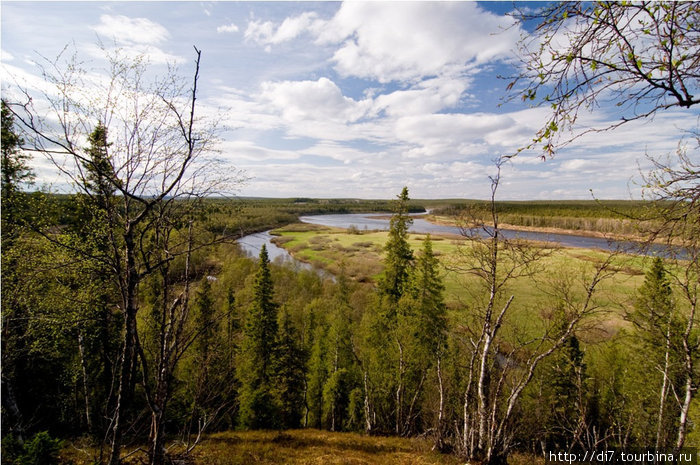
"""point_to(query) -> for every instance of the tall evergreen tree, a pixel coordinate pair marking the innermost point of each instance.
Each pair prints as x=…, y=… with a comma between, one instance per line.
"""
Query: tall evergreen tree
x=289, y=373
x=399, y=255
x=255, y=367
x=428, y=289
x=659, y=329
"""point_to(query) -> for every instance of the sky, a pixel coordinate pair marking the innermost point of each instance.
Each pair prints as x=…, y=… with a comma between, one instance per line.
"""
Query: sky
x=353, y=99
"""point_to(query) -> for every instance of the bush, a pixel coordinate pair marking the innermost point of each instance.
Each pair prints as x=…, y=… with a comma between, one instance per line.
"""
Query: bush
x=41, y=450
x=12, y=450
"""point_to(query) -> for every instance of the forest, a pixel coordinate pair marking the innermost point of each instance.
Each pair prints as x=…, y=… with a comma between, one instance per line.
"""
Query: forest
x=136, y=330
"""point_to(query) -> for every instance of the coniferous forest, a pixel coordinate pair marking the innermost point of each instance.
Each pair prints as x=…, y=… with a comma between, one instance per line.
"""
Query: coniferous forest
x=135, y=329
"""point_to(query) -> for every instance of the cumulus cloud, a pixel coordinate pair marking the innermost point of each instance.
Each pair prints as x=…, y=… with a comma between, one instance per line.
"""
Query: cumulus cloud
x=404, y=41
x=227, y=28
x=428, y=96
x=313, y=100
x=266, y=33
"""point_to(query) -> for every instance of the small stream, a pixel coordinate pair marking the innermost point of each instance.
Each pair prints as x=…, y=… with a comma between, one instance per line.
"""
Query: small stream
x=252, y=243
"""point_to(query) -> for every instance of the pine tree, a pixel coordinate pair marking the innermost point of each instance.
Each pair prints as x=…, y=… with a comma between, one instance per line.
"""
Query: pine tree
x=342, y=373
x=205, y=327
x=255, y=367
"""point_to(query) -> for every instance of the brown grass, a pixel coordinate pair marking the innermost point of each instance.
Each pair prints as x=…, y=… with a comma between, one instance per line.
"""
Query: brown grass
x=298, y=447
x=315, y=447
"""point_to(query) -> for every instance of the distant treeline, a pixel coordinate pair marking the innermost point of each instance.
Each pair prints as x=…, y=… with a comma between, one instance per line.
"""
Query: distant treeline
x=606, y=216
x=244, y=215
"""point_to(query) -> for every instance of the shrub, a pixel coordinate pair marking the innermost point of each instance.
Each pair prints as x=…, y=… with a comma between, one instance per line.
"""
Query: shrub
x=41, y=450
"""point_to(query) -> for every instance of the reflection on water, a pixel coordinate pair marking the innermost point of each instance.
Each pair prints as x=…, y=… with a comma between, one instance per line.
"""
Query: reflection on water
x=252, y=244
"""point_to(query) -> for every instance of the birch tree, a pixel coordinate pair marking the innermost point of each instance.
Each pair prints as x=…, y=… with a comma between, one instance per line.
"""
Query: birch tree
x=500, y=366
x=641, y=58
x=158, y=154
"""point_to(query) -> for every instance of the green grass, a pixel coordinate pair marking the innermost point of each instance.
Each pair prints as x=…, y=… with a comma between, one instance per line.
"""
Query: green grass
x=362, y=255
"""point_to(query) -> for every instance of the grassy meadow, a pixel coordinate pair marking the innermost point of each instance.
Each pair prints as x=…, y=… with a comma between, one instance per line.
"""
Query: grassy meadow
x=361, y=254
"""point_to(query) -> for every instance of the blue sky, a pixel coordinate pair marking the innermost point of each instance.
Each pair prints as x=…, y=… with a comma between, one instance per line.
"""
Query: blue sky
x=351, y=99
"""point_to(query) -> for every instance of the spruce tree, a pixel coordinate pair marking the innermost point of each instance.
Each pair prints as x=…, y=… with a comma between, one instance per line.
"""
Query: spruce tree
x=255, y=367
x=399, y=255
x=659, y=329
x=289, y=373
x=428, y=290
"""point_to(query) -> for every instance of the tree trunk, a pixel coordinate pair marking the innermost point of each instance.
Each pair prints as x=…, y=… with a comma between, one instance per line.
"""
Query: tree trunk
x=86, y=393
x=441, y=408
x=399, y=390
x=689, y=375
x=685, y=407
x=368, y=410
x=664, y=387
x=156, y=451
x=126, y=362
x=482, y=390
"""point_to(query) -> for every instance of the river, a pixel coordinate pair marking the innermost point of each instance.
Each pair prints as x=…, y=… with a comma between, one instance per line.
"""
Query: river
x=379, y=221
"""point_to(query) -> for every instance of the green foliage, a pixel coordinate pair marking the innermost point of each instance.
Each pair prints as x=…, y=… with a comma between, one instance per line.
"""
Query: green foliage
x=317, y=375
x=429, y=302
x=605, y=216
x=100, y=178
x=653, y=305
x=255, y=365
x=289, y=364
x=42, y=449
x=399, y=255
x=15, y=170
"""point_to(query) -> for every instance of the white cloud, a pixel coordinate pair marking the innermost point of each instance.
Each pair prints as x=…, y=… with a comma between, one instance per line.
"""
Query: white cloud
x=227, y=28
x=134, y=37
x=265, y=33
x=404, y=41
x=428, y=96
x=313, y=100
x=131, y=30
